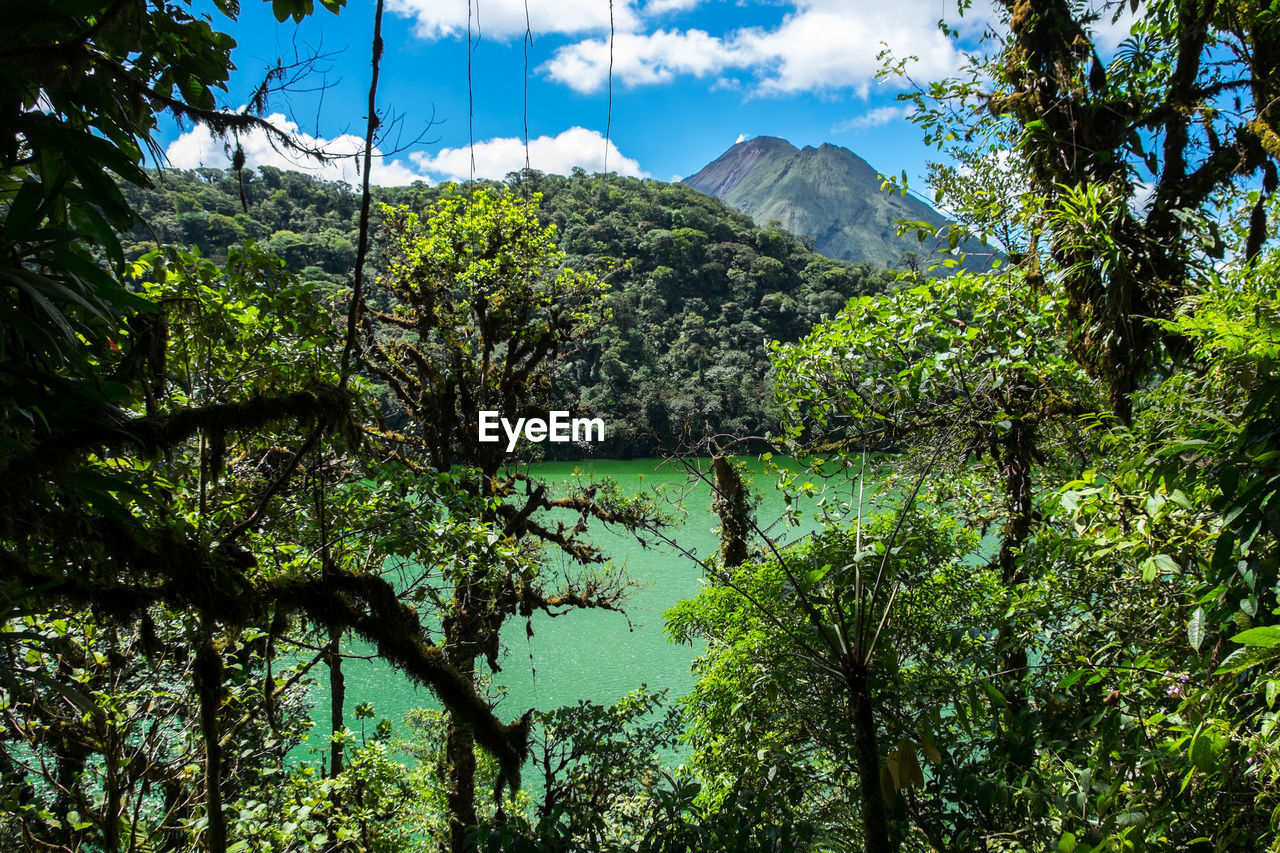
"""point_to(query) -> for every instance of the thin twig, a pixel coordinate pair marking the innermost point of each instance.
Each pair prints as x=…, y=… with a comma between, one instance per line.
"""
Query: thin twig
x=362, y=246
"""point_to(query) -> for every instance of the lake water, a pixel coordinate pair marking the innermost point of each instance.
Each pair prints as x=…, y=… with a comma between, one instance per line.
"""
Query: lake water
x=594, y=655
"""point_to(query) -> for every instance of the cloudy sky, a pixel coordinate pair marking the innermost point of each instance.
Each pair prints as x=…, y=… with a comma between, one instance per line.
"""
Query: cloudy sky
x=689, y=78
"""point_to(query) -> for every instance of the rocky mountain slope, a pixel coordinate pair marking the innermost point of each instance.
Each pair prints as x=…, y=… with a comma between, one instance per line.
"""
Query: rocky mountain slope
x=827, y=193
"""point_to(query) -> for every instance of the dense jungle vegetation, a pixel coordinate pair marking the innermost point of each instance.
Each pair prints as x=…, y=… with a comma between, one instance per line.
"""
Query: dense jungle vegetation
x=1057, y=632
x=696, y=291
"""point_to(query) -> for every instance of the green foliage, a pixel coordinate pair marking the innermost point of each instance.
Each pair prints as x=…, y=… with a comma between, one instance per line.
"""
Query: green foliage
x=482, y=306
x=1115, y=165
x=228, y=338
x=598, y=765
x=695, y=290
x=1176, y=564
x=159, y=537
x=374, y=805
x=1130, y=681
x=479, y=309
x=771, y=711
x=961, y=359
x=742, y=822
x=1067, y=636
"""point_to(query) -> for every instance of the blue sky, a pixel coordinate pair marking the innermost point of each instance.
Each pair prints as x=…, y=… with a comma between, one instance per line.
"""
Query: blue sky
x=690, y=77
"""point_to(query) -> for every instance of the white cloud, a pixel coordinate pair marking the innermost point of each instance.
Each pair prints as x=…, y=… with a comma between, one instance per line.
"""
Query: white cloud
x=199, y=147
x=874, y=118
x=742, y=137
x=1143, y=193
x=505, y=19
x=638, y=59
x=821, y=45
x=1110, y=29
x=817, y=49
x=495, y=158
x=660, y=7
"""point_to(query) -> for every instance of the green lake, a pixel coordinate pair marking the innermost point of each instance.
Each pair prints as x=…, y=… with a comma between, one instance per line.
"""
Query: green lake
x=594, y=655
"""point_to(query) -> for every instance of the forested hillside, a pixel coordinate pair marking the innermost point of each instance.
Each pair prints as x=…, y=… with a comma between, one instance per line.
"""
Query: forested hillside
x=696, y=291
x=1047, y=620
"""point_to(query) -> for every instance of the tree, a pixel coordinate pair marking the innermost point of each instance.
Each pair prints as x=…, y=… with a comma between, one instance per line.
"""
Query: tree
x=1176, y=566
x=132, y=498
x=479, y=310
x=821, y=653
x=83, y=357
x=1128, y=157
x=1139, y=575
x=966, y=380
x=741, y=299
x=137, y=643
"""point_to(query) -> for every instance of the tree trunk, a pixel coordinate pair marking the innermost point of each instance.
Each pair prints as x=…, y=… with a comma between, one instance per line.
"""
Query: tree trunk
x=460, y=752
x=337, y=698
x=209, y=687
x=875, y=822
x=1018, y=461
x=731, y=503
x=112, y=804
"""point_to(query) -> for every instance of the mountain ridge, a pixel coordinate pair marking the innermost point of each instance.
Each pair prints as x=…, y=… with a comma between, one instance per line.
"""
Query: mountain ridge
x=829, y=194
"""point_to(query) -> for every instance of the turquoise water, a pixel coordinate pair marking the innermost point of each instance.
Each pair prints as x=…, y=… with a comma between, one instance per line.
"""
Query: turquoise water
x=594, y=655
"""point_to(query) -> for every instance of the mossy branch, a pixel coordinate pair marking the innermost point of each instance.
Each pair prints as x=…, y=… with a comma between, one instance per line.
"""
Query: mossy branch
x=155, y=435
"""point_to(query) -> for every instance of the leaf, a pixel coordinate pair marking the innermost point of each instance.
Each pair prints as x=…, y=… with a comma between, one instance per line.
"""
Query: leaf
x=1195, y=629
x=815, y=576
x=1244, y=658
x=23, y=214
x=888, y=790
x=1222, y=551
x=1266, y=637
x=1071, y=679
x=1158, y=563
x=930, y=748
x=1206, y=748
x=280, y=10
x=909, y=772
